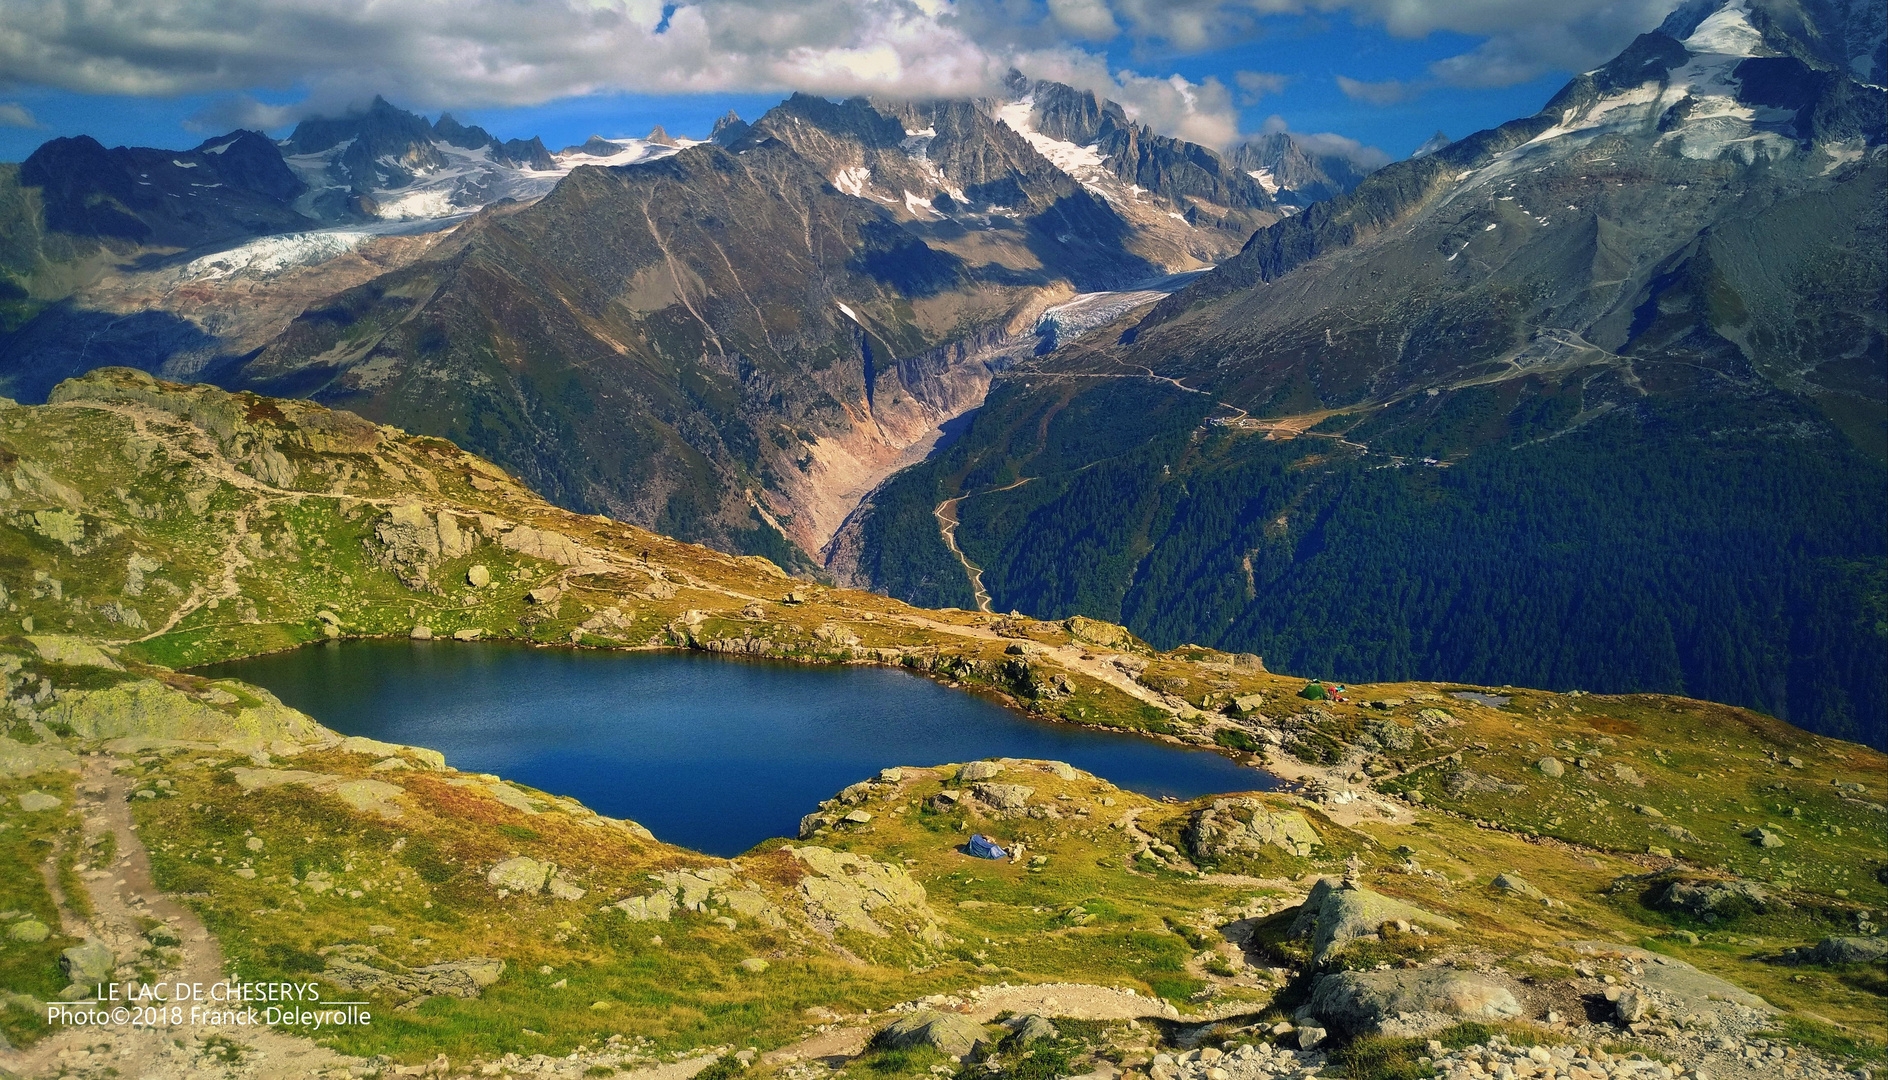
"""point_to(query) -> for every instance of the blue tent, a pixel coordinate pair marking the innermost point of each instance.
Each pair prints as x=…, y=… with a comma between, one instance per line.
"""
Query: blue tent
x=985, y=848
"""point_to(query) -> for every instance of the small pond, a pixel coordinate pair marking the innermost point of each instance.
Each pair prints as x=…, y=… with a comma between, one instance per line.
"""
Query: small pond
x=711, y=753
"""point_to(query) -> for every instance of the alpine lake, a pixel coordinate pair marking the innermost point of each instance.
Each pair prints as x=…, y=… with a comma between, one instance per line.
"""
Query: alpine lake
x=711, y=753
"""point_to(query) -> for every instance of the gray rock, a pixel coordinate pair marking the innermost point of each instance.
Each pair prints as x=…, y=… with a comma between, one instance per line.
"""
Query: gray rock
x=1515, y=883
x=87, y=964
x=1850, y=950
x=520, y=875
x=753, y=965
x=1308, y=1036
x=421, y=633
x=450, y=978
x=564, y=890
x=979, y=770
x=1335, y=914
x=1032, y=1029
x=1630, y=1006
x=1246, y=827
x=1715, y=898
x=28, y=932
x=1003, y=796
x=35, y=801
x=949, y=1033
x=1765, y=838
x=1408, y=1002
x=1551, y=768
x=478, y=576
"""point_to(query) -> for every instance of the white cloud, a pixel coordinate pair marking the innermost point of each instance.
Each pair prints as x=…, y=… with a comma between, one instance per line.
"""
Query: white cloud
x=1387, y=92
x=1325, y=142
x=441, y=54
x=1254, y=85
x=1201, y=112
x=1089, y=20
x=14, y=114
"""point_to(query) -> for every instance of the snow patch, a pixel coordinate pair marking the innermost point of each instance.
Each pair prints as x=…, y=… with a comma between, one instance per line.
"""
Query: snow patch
x=1266, y=180
x=183, y=164
x=851, y=314
x=852, y=181
x=1727, y=32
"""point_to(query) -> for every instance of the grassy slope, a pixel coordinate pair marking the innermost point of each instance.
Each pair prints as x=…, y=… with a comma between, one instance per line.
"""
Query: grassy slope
x=143, y=480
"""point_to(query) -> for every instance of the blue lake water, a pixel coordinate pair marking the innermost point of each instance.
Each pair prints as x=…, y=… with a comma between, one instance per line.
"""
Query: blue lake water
x=711, y=753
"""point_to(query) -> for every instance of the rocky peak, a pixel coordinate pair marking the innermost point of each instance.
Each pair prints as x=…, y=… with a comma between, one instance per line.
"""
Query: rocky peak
x=729, y=129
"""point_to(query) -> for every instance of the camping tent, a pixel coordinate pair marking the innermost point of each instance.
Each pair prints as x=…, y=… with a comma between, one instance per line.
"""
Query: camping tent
x=985, y=848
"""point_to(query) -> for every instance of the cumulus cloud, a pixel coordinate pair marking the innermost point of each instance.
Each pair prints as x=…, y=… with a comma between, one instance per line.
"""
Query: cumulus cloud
x=1201, y=112
x=434, y=54
x=1387, y=92
x=438, y=53
x=1254, y=85
x=1089, y=20
x=14, y=114
x=1367, y=158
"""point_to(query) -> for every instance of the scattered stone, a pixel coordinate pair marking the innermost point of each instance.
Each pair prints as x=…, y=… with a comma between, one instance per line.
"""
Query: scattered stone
x=35, y=801
x=857, y=817
x=754, y=965
x=564, y=890
x=478, y=576
x=471, y=634
x=421, y=633
x=979, y=770
x=1765, y=838
x=1551, y=768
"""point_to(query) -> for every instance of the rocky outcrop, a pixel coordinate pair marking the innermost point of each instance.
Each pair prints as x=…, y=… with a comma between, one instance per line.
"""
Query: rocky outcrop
x=148, y=709
x=362, y=969
x=846, y=891
x=411, y=542
x=1234, y=827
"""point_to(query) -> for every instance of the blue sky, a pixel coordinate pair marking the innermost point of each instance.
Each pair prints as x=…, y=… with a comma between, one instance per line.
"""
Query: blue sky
x=1387, y=73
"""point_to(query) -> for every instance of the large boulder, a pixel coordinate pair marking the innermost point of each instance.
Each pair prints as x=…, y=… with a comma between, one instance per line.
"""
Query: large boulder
x=1337, y=913
x=87, y=964
x=979, y=770
x=1003, y=796
x=1408, y=1002
x=1096, y=632
x=1714, y=899
x=1850, y=950
x=520, y=874
x=1247, y=827
x=949, y=1033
